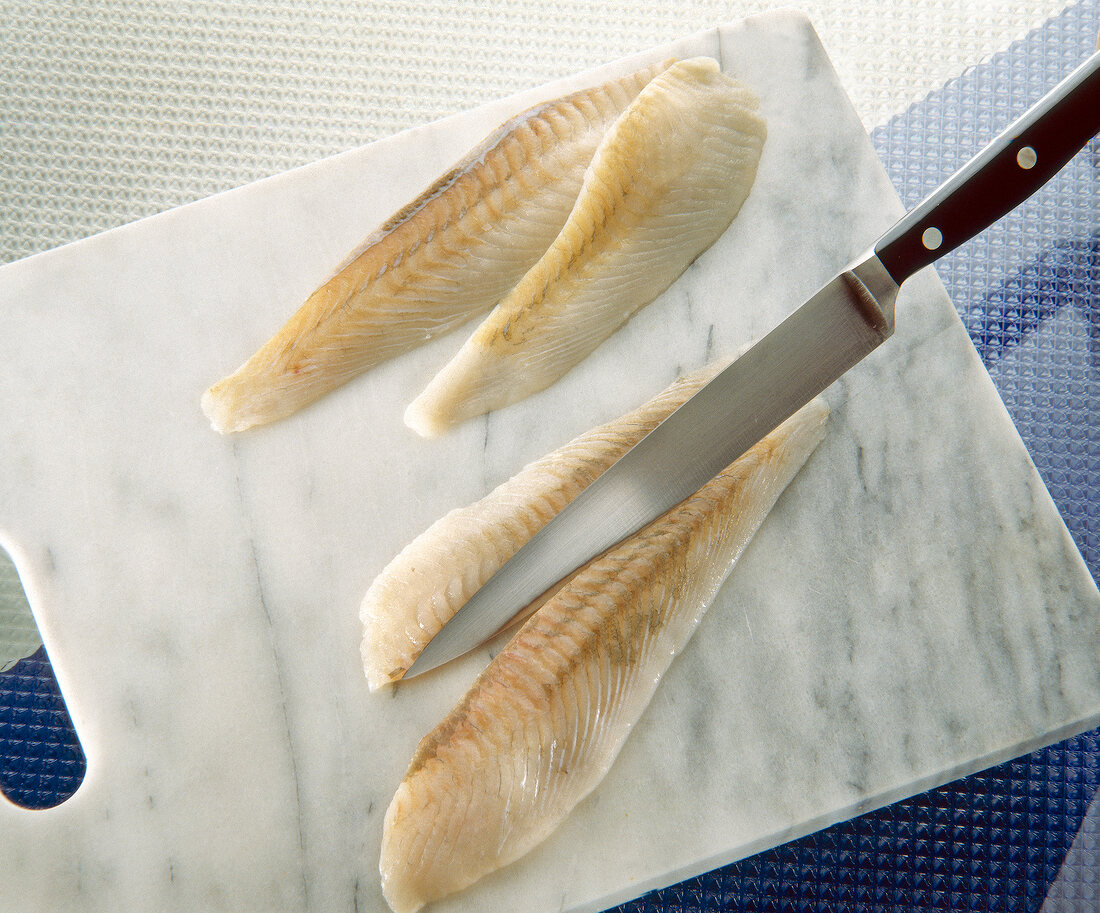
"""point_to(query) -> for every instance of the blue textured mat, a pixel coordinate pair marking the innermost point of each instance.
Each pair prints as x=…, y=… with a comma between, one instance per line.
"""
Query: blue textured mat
x=1029, y=293
x=41, y=762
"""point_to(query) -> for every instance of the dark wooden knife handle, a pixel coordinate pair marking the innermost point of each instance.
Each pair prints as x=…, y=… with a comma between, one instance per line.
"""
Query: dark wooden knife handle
x=1000, y=177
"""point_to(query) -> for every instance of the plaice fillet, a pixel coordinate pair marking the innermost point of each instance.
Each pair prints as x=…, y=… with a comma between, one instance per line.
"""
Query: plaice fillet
x=446, y=257
x=540, y=727
x=665, y=182
x=422, y=588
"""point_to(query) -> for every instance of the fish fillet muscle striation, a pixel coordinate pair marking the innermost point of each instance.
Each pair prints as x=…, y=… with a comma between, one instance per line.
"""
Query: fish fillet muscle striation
x=665, y=182
x=441, y=260
x=540, y=727
x=422, y=588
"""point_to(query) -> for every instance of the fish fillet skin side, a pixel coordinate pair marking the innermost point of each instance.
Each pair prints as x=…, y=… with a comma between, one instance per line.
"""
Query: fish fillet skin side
x=445, y=258
x=542, y=724
x=667, y=180
x=423, y=587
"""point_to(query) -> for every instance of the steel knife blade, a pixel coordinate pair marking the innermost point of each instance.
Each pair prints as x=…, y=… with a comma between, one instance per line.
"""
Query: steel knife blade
x=834, y=330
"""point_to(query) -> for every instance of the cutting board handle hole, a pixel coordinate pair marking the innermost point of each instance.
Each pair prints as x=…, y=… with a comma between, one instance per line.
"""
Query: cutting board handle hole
x=41, y=760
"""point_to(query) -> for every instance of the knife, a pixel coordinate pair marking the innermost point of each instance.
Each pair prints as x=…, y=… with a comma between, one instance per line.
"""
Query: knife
x=834, y=330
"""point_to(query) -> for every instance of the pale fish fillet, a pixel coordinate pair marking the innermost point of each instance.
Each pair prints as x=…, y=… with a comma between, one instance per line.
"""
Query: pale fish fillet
x=543, y=723
x=444, y=258
x=665, y=182
x=422, y=588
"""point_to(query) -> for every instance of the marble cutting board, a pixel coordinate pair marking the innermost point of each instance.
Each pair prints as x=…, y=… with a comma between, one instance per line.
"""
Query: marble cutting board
x=913, y=610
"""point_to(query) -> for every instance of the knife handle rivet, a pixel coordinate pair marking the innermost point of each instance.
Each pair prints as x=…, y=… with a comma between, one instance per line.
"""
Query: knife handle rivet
x=932, y=238
x=1026, y=158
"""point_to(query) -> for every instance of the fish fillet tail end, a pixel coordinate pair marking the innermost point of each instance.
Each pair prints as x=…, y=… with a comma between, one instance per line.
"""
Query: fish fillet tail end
x=421, y=417
x=218, y=407
x=467, y=386
x=247, y=398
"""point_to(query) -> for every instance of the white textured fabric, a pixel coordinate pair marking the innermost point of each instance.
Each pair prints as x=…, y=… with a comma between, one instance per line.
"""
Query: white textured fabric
x=18, y=632
x=113, y=111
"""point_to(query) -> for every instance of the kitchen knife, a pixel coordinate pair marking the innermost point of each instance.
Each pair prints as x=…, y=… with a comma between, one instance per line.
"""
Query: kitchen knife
x=834, y=330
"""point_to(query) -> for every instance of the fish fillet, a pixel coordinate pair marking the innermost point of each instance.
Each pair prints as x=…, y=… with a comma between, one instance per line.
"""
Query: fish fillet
x=444, y=258
x=422, y=588
x=543, y=723
x=665, y=182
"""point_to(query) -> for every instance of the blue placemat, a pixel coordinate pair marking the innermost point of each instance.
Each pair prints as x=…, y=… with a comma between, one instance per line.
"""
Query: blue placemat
x=1029, y=293
x=41, y=762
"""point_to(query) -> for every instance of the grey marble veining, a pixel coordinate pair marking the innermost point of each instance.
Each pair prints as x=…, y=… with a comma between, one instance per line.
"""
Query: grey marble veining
x=913, y=609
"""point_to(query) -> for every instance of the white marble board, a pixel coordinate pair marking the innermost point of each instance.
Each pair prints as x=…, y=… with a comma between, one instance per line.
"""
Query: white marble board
x=912, y=611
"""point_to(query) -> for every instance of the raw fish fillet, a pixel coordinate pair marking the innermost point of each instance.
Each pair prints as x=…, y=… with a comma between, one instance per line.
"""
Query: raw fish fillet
x=665, y=182
x=444, y=258
x=421, y=589
x=542, y=724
